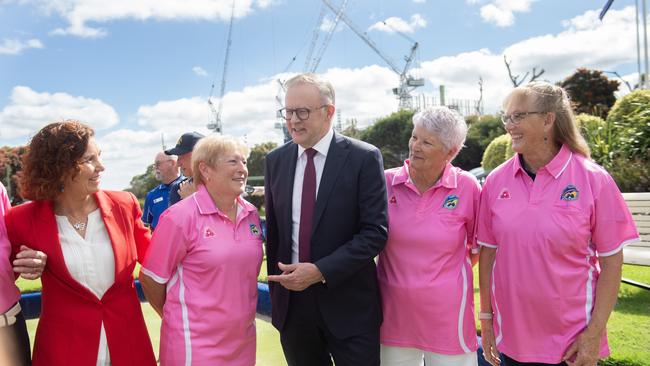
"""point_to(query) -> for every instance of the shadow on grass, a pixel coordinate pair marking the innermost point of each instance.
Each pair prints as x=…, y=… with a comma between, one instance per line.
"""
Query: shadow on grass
x=632, y=300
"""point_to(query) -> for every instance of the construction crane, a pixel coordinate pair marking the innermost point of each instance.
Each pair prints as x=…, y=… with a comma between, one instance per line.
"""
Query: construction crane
x=215, y=123
x=407, y=83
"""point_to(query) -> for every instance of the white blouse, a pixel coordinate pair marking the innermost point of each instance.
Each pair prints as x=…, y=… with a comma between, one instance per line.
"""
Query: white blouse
x=90, y=262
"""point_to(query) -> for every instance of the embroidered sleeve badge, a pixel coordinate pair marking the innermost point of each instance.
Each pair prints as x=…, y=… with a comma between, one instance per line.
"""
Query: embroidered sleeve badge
x=254, y=230
x=570, y=193
x=450, y=202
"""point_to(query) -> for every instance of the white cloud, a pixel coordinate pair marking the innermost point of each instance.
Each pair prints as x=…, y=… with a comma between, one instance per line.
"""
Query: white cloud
x=502, y=12
x=393, y=24
x=16, y=46
x=579, y=45
x=30, y=110
x=419, y=1
x=83, y=16
x=127, y=153
x=199, y=71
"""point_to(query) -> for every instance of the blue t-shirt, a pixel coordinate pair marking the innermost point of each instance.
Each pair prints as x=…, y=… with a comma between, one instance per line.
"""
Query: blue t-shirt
x=156, y=202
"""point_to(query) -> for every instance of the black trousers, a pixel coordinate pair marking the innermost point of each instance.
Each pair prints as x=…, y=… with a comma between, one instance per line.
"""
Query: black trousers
x=16, y=341
x=306, y=341
x=507, y=361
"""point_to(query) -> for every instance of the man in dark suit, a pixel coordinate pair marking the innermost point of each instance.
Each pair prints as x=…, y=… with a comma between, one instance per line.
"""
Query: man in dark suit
x=326, y=219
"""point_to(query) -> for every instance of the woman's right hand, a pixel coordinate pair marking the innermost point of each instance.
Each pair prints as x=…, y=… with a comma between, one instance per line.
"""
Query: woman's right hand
x=29, y=263
x=490, y=352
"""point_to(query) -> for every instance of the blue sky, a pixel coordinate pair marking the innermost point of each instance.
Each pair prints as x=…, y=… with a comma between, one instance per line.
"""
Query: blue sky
x=136, y=69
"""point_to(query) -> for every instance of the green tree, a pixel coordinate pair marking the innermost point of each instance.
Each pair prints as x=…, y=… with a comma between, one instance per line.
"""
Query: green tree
x=351, y=129
x=143, y=183
x=631, y=114
x=11, y=164
x=497, y=152
x=256, y=159
x=590, y=91
x=482, y=130
x=391, y=135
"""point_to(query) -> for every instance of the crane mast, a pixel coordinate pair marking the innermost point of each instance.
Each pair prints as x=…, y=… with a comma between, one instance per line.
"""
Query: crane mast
x=215, y=123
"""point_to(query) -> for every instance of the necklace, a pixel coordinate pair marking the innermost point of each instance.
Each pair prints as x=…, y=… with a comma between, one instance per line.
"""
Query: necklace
x=79, y=226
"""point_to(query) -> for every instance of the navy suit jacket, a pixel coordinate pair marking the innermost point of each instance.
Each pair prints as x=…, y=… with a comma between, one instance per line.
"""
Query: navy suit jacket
x=349, y=230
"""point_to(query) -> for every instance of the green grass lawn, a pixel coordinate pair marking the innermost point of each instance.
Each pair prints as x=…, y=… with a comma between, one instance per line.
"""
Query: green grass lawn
x=269, y=351
x=628, y=327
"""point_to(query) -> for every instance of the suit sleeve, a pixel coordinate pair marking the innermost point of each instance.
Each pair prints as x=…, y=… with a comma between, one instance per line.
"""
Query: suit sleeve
x=141, y=235
x=366, y=244
x=271, y=224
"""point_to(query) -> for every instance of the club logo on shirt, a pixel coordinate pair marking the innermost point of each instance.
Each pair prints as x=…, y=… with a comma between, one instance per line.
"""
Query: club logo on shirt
x=208, y=233
x=450, y=202
x=505, y=194
x=570, y=193
x=254, y=230
x=393, y=200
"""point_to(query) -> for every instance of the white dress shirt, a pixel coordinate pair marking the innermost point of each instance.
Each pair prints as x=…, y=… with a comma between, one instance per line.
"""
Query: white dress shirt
x=91, y=262
x=322, y=147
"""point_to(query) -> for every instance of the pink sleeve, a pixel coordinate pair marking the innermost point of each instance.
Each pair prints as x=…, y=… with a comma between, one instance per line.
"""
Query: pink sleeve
x=5, y=205
x=168, y=247
x=484, y=235
x=612, y=226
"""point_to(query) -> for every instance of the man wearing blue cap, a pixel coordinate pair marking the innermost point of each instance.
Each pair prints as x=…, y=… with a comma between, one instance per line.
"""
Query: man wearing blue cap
x=183, y=149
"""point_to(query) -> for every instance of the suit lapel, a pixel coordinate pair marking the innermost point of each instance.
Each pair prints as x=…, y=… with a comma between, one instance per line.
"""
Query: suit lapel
x=49, y=233
x=287, y=179
x=113, y=221
x=336, y=156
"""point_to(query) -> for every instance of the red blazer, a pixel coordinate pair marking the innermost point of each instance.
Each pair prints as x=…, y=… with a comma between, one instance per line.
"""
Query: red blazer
x=69, y=328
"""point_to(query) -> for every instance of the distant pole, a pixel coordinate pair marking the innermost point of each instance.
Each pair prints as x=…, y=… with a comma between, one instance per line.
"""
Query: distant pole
x=638, y=45
x=645, y=45
x=442, y=95
x=162, y=141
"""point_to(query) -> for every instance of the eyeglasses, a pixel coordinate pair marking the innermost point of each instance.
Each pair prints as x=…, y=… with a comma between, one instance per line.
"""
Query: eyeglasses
x=517, y=117
x=301, y=113
x=159, y=163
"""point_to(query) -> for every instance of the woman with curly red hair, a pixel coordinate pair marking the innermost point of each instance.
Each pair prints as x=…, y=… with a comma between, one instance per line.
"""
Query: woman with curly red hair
x=90, y=313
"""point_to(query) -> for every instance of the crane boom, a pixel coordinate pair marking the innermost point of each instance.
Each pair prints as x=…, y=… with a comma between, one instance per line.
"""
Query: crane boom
x=407, y=83
x=364, y=37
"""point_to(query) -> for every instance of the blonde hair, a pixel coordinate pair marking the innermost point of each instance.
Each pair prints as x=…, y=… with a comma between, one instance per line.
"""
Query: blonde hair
x=547, y=97
x=325, y=88
x=209, y=149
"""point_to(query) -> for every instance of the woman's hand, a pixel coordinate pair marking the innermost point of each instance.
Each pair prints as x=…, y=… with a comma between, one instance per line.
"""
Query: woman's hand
x=585, y=350
x=490, y=352
x=30, y=263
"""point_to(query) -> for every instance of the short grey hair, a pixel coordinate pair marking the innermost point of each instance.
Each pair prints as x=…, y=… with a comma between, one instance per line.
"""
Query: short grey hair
x=447, y=124
x=324, y=87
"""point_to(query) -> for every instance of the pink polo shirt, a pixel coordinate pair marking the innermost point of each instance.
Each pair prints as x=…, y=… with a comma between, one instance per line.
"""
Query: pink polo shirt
x=9, y=293
x=425, y=274
x=549, y=234
x=210, y=266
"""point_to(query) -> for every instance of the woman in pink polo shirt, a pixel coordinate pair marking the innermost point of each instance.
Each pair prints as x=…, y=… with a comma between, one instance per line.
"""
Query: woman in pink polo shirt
x=14, y=340
x=552, y=224
x=425, y=271
x=201, y=271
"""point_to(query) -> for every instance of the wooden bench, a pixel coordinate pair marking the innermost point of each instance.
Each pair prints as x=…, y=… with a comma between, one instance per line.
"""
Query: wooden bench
x=639, y=205
x=638, y=253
